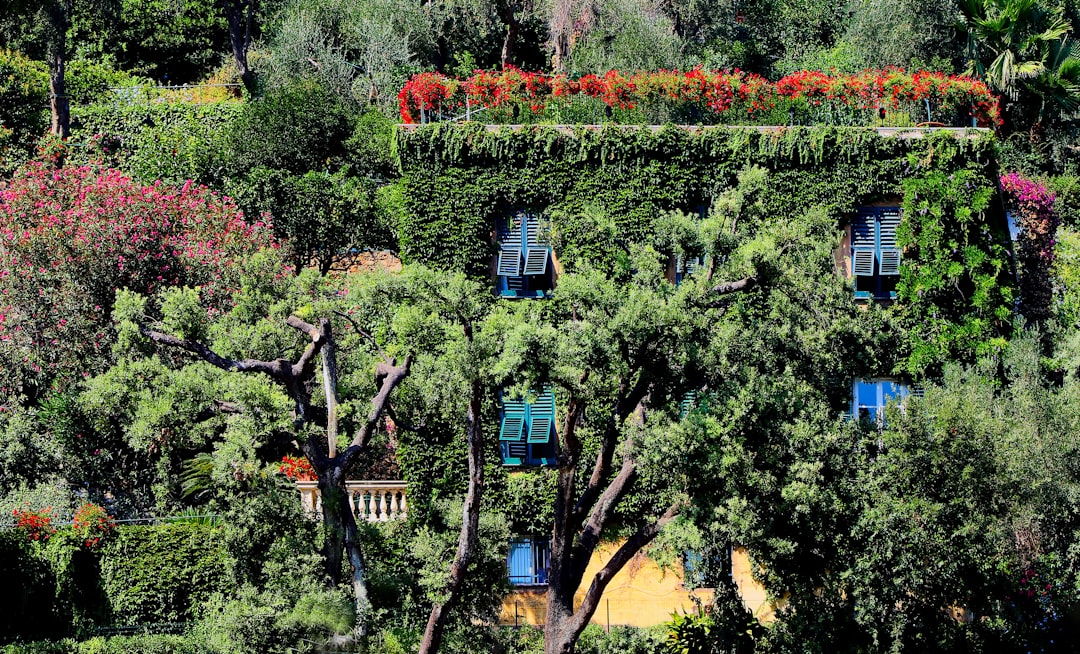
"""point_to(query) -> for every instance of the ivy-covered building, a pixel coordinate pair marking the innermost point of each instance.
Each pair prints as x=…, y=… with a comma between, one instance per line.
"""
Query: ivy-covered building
x=910, y=219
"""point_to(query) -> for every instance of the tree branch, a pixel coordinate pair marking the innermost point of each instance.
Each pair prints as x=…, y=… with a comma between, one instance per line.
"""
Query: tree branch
x=388, y=376
x=727, y=288
x=624, y=406
x=622, y=556
x=275, y=369
x=366, y=335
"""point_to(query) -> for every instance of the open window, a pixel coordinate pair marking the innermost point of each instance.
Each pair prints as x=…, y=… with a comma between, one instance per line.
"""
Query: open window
x=707, y=568
x=875, y=258
x=870, y=397
x=523, y=266
x=527, y=431
x=528, y=561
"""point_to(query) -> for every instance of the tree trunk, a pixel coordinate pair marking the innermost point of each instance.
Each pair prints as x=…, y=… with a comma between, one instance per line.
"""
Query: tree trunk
x=59, y=15
x=560, y=26
x=470, y=526
x=239, y=14
x=512, y=24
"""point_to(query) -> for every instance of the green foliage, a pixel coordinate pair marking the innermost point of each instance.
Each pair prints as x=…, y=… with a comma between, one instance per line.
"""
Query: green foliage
x=24, y=116
x=957, y=249
x=89, y=82
x=171, y=142
x=299, y=128
x=162, y=573
x=620, y=640
x=141, y=644
x=319, y=215
x=171, y=41
x=27, y=603
x=606, y=190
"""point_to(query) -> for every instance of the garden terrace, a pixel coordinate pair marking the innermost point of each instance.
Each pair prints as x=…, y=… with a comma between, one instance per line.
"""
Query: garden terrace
x=873, y=98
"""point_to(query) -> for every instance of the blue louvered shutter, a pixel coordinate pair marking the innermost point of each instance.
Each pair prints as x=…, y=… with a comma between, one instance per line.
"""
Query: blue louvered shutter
x=513, y=420
x=687, y=403
x=510, y=246
x=520, y=562
x=863, y=243
x=536, y=260
x=542, y=417
x=536, y=254
x=889, y=253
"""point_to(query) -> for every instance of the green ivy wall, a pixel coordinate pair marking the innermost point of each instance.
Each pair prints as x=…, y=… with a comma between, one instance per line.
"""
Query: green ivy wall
x=956, y=294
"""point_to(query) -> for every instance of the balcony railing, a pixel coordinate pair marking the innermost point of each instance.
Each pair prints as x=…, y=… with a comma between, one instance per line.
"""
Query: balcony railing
x=371, y=501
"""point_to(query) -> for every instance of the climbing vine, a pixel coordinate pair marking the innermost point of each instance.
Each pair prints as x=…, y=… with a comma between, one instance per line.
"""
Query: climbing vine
x=956, y=290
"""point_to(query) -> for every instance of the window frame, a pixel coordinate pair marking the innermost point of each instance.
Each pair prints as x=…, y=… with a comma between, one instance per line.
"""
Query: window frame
x=883, y=247
x=518, y=443
x=876, y=411
x=536, y=552
x=518, y=234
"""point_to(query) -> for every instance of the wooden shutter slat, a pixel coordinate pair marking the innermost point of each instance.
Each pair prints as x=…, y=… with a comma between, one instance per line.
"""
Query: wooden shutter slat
x=889, y=263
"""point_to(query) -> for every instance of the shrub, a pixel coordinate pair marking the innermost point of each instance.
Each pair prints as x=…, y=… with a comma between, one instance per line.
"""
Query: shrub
x=319, y=215
x=24, y=116
x=34, y=524
x=161, y=573
x=297, y=128
x=92, y=523
x=73, y=236
x=29, y=587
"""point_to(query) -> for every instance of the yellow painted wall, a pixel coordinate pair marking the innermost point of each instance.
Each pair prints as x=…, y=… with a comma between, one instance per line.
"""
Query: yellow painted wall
x=641, y=595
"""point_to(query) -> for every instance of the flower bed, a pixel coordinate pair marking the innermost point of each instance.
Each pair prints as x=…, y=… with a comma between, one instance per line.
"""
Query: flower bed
x=873, y=97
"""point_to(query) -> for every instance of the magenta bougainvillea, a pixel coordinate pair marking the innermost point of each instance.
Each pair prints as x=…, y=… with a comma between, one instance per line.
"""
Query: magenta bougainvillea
x=70, y=237
x=1032, y=208
x=714, y=91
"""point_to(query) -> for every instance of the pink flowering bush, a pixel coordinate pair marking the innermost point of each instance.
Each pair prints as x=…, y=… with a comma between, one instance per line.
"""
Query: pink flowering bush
x=71, y=237
x=1032, y=207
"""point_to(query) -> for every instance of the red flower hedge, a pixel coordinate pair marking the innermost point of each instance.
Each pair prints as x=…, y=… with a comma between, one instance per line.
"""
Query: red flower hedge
x=92, y=523
x=296, y=468
x=35, y=525
x=714, y=91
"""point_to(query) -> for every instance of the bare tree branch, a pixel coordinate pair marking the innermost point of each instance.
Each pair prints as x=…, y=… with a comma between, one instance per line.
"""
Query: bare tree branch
x=366, y=335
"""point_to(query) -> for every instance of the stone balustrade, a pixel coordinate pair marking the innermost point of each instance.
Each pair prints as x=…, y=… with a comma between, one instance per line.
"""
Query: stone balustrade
x=371, y=501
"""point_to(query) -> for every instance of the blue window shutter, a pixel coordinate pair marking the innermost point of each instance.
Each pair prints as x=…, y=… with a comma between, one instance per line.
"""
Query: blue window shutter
x=530, y=230
x=513, y=453
x=889, y=254
x=889, y=263
x=519, y=562
x=542, y=417
x=510, y=231
x=862, y=263
x=513, y=420
x=687, y=403
x=509, y=261
x=863, y=243
x=536, y=259
x=862, y=229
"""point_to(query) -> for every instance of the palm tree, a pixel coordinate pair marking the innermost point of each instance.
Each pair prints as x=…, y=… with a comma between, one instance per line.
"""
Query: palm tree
x=1059, y=85
x=1010, y=40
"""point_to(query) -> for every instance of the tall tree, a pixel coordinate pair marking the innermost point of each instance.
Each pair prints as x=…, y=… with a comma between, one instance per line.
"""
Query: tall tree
x=240, y=15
